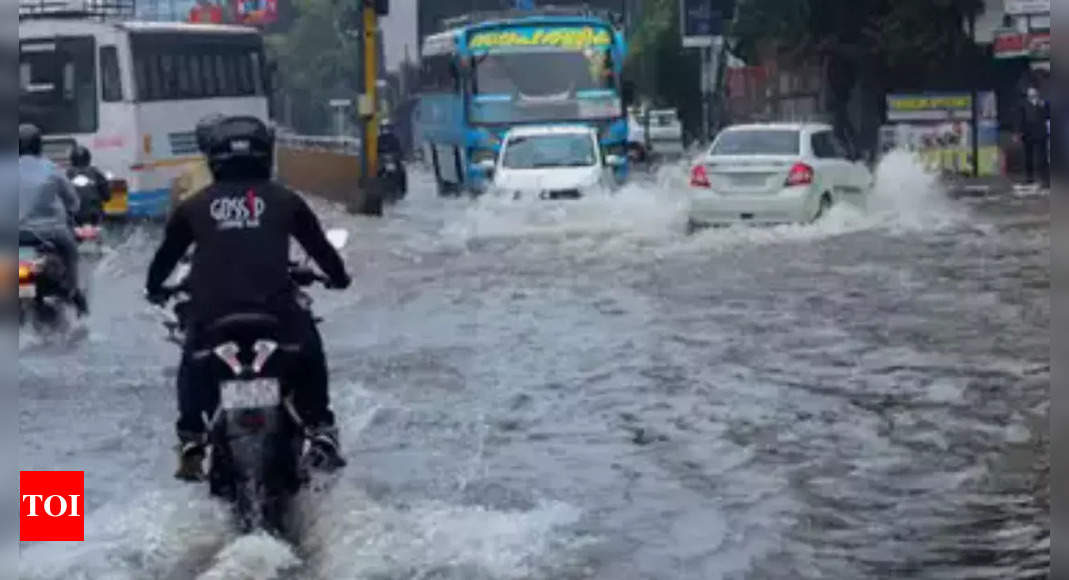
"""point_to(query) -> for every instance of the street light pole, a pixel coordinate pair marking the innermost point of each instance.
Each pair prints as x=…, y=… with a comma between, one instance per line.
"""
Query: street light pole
x=974, y=81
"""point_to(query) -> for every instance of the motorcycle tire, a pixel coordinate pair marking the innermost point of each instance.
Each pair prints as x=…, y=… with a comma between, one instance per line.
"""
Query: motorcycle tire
x=261, y=501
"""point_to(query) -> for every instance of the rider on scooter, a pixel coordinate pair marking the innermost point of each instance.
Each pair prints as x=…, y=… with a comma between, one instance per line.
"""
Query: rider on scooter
x=240, y=228
x=47, y=204
x=390, y=146
x=95, y=193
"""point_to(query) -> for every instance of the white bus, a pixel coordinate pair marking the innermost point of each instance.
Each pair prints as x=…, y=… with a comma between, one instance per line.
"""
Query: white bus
x=132, y=92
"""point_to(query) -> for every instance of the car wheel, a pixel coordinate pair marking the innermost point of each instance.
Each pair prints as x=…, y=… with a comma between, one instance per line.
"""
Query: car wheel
x=825, y=206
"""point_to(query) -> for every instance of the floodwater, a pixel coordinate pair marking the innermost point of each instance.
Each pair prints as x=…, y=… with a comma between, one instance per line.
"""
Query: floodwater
x=579, y=390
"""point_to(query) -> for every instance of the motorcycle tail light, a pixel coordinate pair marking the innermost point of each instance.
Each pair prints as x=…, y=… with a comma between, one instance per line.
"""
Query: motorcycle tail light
x=252, y=419
x=263, y=349
x=228, y=353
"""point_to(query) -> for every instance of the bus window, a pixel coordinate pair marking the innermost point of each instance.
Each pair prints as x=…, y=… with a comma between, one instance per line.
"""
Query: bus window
x=207, y=68
x=257, y=73
x=439, y=74
x=58, y=88
x=196, y=79
x=110, y=77
x=222, y=76
x=197, y=66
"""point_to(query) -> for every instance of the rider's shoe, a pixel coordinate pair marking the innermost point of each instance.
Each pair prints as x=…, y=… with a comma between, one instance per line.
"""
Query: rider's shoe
x=190, y=458
x=80, y=303
x=324, y=453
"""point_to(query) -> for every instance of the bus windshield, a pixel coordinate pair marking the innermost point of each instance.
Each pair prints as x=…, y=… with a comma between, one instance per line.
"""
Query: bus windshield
x=57, y=84
x=543, y=73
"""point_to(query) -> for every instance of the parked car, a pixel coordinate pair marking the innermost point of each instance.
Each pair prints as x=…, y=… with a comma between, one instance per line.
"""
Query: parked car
x=775, y=173
x=551, y=162
x=665, y=134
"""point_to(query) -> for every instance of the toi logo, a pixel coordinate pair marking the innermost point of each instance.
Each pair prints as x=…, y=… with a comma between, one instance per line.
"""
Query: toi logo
x=51, y=506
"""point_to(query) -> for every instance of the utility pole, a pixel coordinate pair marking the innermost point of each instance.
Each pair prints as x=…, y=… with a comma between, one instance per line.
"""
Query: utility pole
x=707, y=72
x=973, y=77
x=367, y=20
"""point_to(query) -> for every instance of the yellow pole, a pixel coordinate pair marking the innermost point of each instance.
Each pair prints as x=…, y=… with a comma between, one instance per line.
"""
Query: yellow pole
x=371, y=75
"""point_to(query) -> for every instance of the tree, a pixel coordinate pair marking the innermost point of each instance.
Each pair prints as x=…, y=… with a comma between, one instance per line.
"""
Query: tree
x=663, y=71
x=878, y=44
x=317, y=61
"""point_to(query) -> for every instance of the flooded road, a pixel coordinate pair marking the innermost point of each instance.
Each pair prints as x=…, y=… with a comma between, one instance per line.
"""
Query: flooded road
x=579, y=390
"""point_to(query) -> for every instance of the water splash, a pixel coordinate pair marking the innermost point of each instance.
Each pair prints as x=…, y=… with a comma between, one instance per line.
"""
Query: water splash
x=350, y=532
x=253, y=557
x=909, y=197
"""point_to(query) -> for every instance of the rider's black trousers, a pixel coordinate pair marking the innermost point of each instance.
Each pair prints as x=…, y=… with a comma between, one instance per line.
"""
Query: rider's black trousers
x=198, y=395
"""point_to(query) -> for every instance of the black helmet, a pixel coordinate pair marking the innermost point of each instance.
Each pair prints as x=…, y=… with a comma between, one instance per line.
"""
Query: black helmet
x=204, y=129
x=29, y=139
x=241, y=146
x=80, y=156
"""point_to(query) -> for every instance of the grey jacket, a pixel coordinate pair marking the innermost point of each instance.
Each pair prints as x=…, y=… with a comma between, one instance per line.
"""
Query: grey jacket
x=47, y=200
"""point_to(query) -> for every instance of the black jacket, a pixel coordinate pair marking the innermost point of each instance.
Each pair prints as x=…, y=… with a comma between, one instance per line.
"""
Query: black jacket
x=241, y=231
x=1033, y=120
x=93, y=197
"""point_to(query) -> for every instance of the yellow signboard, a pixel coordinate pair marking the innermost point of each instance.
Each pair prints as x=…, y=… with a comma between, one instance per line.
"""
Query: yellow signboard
x=922, y=103
x=574, y=38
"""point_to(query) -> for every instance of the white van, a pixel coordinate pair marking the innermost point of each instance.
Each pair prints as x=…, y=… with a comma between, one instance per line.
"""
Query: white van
x=551, y=162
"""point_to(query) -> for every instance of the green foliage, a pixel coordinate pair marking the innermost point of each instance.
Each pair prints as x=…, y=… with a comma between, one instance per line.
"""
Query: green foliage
x=663, y=71
x=893, y=41
x=316, y=62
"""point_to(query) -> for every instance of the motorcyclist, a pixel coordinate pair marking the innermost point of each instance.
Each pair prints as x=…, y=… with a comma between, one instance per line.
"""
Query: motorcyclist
x=240, y=228
x=95, y=191
x=47, y=204
x=390, y=146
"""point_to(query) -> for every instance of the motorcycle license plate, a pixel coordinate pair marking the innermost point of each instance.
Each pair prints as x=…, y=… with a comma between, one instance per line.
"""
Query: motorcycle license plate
x=391, y=166
x=253, y=394
x=27, y=291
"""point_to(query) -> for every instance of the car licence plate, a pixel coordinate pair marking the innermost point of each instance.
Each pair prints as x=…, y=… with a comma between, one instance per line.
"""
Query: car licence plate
x=27, y=291
x=749, y=180
x=253, y=394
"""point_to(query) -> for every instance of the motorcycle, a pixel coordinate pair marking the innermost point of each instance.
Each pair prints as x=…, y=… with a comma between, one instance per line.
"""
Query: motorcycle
x=43, y=293
x=259, y=448
x=391, y=169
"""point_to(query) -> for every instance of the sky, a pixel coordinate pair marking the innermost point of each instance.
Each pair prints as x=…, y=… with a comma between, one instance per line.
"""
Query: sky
x=398, y=30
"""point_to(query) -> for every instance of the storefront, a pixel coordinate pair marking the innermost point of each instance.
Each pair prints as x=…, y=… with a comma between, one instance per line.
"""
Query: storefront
x=938, y=127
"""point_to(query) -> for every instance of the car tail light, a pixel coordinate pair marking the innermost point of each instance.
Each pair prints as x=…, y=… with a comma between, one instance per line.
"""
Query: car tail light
x=228, y=353
x=27, y=270
x=800, y=174
x=699, y=177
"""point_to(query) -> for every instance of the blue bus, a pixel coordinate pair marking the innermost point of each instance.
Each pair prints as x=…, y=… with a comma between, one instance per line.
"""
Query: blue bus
x=479, y=80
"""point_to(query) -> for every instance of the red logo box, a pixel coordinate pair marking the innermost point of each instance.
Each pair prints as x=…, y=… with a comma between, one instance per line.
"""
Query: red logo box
x=52, y=506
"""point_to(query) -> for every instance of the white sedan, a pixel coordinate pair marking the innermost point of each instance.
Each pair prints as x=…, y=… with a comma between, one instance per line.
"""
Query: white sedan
x=775, y=173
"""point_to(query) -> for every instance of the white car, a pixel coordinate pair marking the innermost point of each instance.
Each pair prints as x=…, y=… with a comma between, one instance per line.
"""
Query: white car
x=666, y=133
x=775, y=173
x=551, y=162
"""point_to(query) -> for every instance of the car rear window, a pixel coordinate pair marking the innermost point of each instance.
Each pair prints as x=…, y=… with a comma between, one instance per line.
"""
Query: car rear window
x=758, y=142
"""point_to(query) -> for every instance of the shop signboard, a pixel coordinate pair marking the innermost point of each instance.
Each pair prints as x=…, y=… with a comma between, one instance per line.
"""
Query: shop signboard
x=1014, y=44
x=937, y=128
x=1019, y=7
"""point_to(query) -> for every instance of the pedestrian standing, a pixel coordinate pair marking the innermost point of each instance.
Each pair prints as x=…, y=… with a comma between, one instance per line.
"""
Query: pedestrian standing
x=1034, y=136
